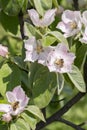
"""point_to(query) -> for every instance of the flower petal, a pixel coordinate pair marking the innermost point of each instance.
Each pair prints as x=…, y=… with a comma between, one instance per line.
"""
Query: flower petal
x=19, y=93
x=5, y=108
x=48, y=17
x=34, y=17
x=10, y=96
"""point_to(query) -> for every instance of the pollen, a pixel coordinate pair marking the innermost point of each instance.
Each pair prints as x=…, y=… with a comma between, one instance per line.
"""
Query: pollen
x=59, y=62
x=15, y=105
x=39, y=49
x=73, y=25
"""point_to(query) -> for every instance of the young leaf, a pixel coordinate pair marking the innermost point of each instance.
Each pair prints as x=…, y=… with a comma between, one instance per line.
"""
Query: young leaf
x=13, y=127
x=38, y=6
x=36, y=111
x=60, y=82
x=46, y=4
x=58, y=36
x=29, y=120
x=22, y=124
x=48, y=40
x=77, y=79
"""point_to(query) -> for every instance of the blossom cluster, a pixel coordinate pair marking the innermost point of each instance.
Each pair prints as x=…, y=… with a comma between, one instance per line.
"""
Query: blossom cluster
x=17, y=103
x=73, y=23
x=56, y=58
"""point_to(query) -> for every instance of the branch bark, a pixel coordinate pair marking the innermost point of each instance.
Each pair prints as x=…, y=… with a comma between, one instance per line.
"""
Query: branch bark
x=21, y=22
x=61, y=112
x=75, y=4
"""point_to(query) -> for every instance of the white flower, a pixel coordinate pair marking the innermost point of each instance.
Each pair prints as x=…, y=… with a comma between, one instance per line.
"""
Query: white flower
x=84, y=38
x=47, y=19
x=71, y=23
x=35, y=51
x=18, y=101
x=60, y=60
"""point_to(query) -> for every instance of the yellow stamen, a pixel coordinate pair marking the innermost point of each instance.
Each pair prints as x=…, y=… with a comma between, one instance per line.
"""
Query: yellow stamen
x=59, y=62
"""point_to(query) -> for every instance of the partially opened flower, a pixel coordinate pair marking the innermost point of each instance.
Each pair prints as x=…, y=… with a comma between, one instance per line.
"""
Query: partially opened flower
x=35, y=51
x=71, y=23
x=6, y=117
x=18, y=101
x=60, y=60
x=45, y=21
x=3, y=51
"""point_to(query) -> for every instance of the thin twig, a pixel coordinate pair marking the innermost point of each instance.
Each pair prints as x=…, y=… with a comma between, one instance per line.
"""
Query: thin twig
x=76, y=127
x=21, y=22
x=58, y=114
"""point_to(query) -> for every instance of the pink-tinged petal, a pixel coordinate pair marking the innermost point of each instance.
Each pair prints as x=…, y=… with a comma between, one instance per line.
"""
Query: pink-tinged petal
x=24, y=101
x=6, y=117
x=11, y=97
x=28, y=56
x=19, y=93
x=68, y=16
x=84, y=18
x=48, y=17
x=62, y=26
x=30, y=43
x=61, y=47
x=5, y=108
x=3, y=51
x=34, y=17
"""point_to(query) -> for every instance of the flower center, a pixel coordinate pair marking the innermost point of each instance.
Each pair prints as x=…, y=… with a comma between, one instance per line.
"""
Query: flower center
x=39, y=49
x=73, y=25
x=15, y=105
x=59, y=62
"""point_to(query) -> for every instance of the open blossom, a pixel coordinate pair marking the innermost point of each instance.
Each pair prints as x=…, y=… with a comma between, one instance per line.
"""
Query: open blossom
x=35, y=51
x=71, y=23
x=3, y=51
x=60, y=60
x=17, y=103
x=47, y=19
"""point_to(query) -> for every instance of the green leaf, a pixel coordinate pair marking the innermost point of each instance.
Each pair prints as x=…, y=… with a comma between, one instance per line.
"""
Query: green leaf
x=12, y=7
x=81, y=55
x=36, y=111
x=46, y=4
x=10, y=24
x=25, y=5
x=48, y=40
x=9, y=78
x=44, y=86
x=55, y=2
x=60, y=82
x=22, y=124
x=30, y=120
x=32, y=71
x=38, y=7
x=13, y=127
x=5, y=71
x=77, y=79
x=32, y=31
x=58, y=36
